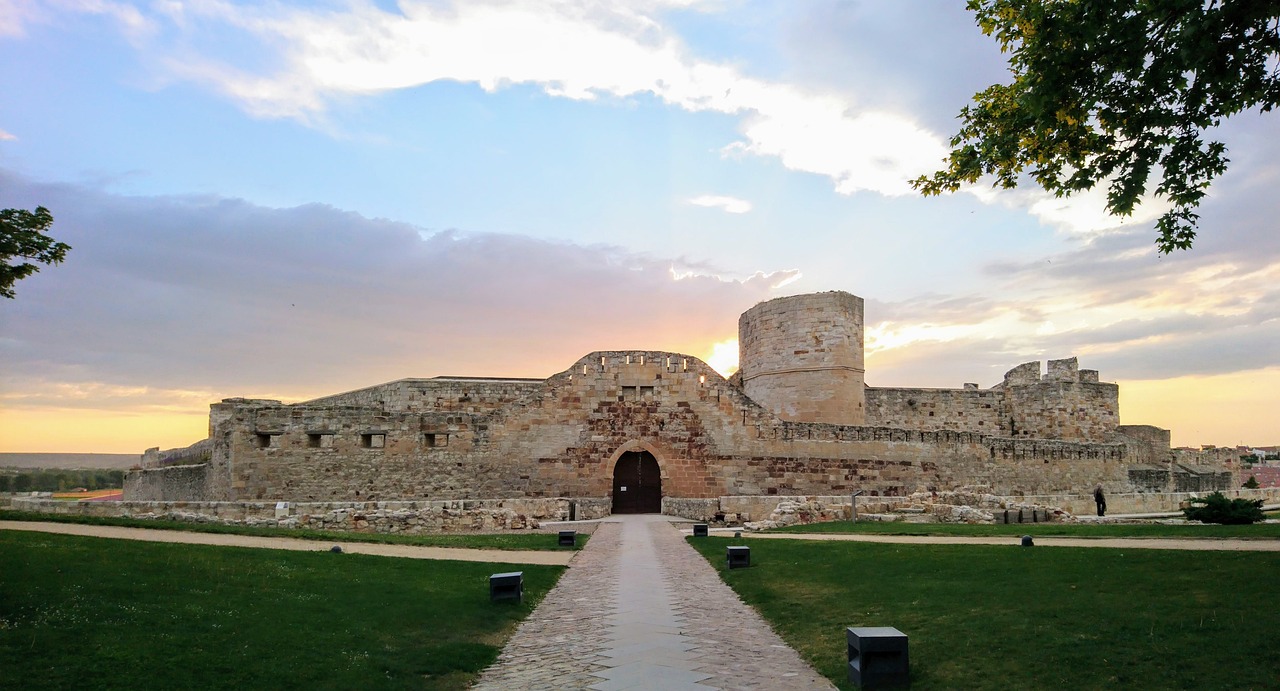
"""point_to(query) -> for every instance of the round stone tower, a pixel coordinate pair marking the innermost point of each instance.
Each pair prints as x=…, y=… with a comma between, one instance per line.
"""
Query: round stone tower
x=801, y=357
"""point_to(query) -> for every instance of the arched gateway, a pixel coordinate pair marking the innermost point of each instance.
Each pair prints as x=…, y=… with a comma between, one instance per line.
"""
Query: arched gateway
x=637, y=483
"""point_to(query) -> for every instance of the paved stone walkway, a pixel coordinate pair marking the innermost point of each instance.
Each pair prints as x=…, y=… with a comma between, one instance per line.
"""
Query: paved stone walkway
x=640, y=609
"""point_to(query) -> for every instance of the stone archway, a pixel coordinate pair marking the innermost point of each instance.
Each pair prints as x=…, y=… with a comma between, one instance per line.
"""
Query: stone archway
x=637, y=483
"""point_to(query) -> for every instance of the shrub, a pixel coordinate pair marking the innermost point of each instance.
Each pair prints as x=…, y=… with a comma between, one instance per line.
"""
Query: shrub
x=1216, y=508
x=1251, y=483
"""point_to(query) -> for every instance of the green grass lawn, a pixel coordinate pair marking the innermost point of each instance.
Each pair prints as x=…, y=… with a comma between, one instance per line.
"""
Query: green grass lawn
x=1259, y=530
x=78, y=612
x=987, y=617
x=510, y=540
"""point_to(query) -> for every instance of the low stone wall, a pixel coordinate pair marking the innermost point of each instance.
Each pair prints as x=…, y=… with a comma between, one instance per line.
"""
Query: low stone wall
x=1144, y=502
x=695, y=509
x=411, y=517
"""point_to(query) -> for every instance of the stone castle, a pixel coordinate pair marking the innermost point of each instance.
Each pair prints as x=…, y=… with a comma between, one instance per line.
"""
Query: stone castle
x=648, y=431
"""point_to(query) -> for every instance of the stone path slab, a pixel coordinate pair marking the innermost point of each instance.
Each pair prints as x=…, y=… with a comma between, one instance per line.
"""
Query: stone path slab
x=640, y=609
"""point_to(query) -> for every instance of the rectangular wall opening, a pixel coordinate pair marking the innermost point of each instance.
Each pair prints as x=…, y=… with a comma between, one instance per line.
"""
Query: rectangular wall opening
x=373, y=440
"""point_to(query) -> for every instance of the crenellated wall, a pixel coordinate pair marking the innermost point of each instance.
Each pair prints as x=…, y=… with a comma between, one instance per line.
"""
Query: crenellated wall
x=1065, y=404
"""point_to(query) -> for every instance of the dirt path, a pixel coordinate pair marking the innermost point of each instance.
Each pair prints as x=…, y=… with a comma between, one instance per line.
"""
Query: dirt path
x=1207, y=544
x=289, y=543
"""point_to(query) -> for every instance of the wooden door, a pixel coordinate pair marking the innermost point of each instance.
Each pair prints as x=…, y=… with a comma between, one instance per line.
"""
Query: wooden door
x=637, y=484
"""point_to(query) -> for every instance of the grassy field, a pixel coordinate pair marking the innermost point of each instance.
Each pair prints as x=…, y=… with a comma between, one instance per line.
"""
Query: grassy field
x=511, y=540
x=984, y=617
x=79, y=612
x=1259, y=530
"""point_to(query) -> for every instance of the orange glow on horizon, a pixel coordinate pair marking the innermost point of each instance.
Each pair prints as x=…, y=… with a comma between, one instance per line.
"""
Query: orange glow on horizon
x=1224, y=409
x=75, y=430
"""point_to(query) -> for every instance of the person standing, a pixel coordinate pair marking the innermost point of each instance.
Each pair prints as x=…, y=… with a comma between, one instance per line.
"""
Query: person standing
x=1100, y=500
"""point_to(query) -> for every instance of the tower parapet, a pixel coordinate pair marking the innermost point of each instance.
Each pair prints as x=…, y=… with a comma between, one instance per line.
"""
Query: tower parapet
x=802, y=357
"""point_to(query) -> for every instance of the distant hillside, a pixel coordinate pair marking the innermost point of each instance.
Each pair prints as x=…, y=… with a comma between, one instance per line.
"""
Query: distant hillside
x=69, y=461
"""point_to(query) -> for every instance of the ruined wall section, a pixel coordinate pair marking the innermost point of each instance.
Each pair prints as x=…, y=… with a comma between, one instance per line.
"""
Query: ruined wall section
x=962, y=410
x=171, y=483
x=801, y=357
x=459, y=394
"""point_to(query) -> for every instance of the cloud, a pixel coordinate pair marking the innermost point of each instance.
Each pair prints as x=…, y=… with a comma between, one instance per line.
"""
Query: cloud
x=163, y=295
x=305, y=60
x=7, y=137
x=17, y=15
x=731, y=205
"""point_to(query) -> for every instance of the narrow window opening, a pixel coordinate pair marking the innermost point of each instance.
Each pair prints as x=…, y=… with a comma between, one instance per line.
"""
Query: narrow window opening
x=320, y=440
x=702, y=379
x=684, y=364
x=628, y=359
x=642, y=359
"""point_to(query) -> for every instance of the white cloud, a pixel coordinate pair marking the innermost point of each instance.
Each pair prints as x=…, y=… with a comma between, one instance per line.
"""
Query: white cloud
x=16, y=15
x=582, y=50
x=1082, y=214
x=7, y=137
x=731, y=205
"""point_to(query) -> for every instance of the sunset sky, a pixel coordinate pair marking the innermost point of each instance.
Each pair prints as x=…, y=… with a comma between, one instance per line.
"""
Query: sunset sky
x=287, y=200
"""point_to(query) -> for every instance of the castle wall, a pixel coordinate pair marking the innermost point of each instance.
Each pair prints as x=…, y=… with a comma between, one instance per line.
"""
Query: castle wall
x=802, y=357
x=709, y=439
x=965, y=410
x=796, y=420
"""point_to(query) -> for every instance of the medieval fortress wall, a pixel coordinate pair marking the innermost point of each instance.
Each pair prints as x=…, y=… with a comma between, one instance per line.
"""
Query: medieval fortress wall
x=798, y=420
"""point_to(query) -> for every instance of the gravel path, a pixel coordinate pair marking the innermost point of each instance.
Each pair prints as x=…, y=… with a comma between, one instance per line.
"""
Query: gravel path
x=289, y=543
x=1209, y=544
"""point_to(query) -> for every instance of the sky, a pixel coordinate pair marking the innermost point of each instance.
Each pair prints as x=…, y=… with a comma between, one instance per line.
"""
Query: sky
x=287, y=200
